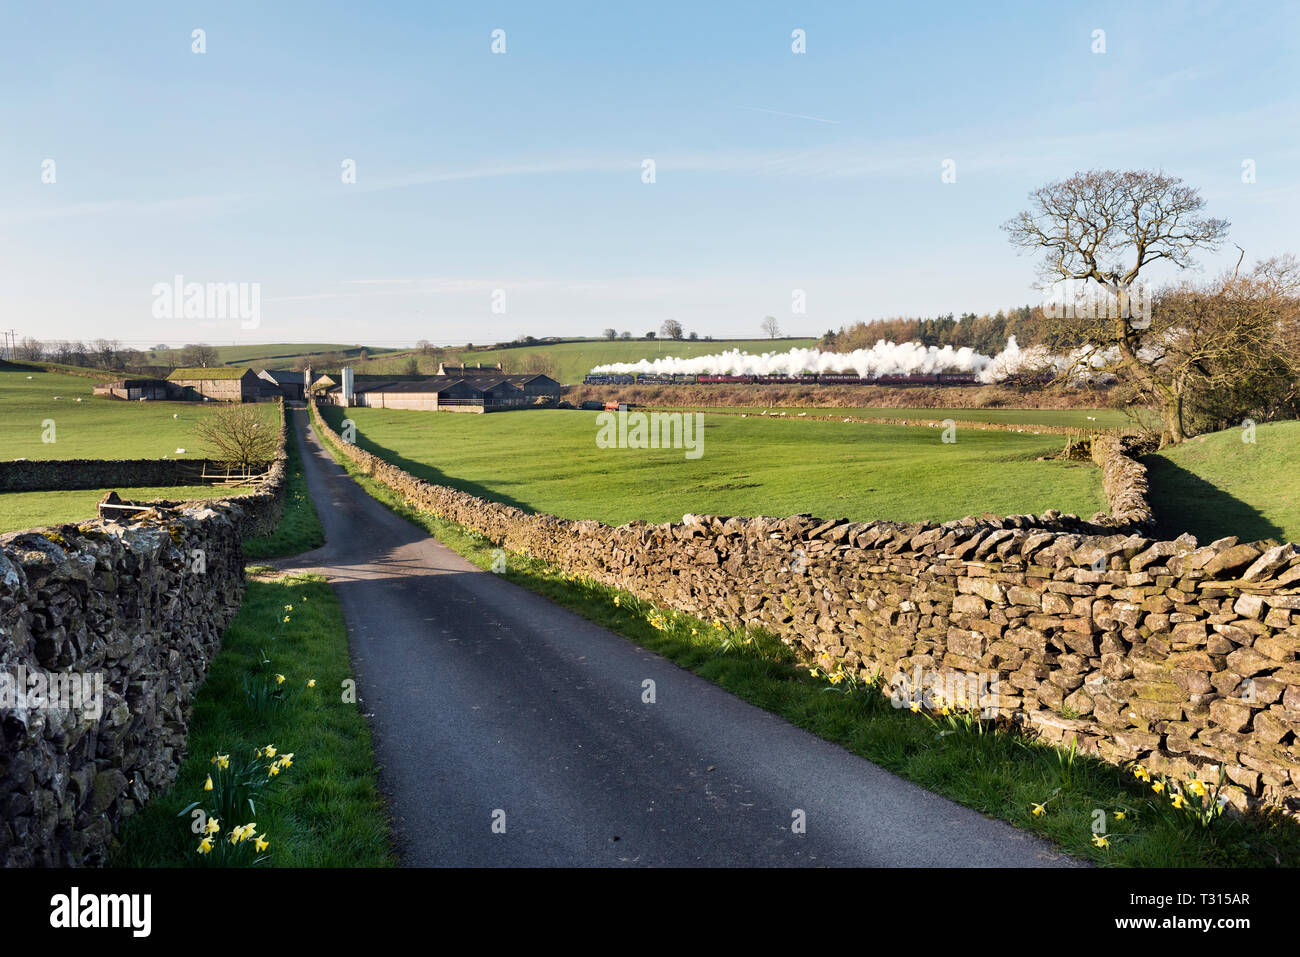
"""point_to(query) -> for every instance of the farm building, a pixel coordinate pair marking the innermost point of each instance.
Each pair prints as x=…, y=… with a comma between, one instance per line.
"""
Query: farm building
x=135, y=389
x=474, y=393
x=218, y=383
x=284, y=382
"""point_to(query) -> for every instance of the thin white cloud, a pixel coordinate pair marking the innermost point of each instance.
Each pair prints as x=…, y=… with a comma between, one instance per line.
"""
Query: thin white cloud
x=794, y=116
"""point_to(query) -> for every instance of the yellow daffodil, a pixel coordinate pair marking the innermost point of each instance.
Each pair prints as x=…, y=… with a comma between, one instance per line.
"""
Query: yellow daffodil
x=273, y=770
x=616, y=601
x=207, y=785
x=286, y=760
x=288, y=607
x=1196, y=787
x=270, y=750
x=813, y=672
x=836, y=678
x=916, y=707
x=1039, y=810
x=311, y=682
x=1179, y=801
x=213, y=826
x=1158, y=786
x=286, y=619
x=262, y=844
x=1099, y=840
x=205, y=846
x=1120, y=815
x=222, y=760
x=1141, y=773
x=279, y=679
x=943, y=710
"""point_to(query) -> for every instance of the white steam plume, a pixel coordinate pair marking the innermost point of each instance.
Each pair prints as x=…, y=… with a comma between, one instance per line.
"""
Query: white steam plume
x=884, y=358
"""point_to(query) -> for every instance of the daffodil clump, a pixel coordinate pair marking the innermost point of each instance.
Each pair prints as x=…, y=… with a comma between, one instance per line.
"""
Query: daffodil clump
x=962, y=716
x=268, y=690
x=242, y=846
x=1192, y=800
x=230, y=793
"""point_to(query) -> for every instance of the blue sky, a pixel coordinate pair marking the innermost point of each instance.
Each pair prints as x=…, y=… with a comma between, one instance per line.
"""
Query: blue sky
x=775, y=171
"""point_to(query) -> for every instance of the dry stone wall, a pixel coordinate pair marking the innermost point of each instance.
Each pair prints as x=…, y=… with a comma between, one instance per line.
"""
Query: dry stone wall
x=40, y=475
x=1181, y=656
x=132, y=614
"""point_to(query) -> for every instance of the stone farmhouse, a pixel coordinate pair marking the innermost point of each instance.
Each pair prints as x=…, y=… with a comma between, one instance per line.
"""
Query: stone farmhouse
x=217, y=383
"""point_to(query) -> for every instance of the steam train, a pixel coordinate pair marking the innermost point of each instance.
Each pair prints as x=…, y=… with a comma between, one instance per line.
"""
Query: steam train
x=821, y=378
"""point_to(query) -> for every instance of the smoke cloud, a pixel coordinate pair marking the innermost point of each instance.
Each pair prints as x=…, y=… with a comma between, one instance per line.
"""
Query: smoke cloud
x=884, y=358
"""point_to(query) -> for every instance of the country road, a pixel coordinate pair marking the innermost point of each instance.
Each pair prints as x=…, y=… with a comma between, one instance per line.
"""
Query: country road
x=486, y=698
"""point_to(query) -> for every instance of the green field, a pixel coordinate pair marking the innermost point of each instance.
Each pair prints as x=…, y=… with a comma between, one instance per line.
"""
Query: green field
x=548, y=461
x=23, y=510
x=1217, y=485
x=94, y=428
x=1082, y=419
x=572, y=360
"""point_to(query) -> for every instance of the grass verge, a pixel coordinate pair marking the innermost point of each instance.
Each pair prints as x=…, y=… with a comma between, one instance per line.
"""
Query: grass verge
x=999, y=773
x=323, y=811
x=299, y=529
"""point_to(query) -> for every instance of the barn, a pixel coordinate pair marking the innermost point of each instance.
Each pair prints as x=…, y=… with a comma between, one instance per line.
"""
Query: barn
x=134, y=390
x=475, y=393
x=285, y=382
x=218, y=383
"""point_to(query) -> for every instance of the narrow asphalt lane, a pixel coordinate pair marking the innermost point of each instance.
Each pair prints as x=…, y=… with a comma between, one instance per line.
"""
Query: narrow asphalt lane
x=491, y=706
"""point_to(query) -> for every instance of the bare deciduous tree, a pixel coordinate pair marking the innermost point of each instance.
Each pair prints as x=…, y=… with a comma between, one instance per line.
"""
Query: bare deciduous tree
x=1229, y=343
x=771, y=328
x=198, y=355
x=1104, y=227
x=238, y=435
x=671, y=329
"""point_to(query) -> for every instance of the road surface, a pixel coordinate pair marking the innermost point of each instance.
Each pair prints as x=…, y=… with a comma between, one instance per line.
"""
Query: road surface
x=510, y=731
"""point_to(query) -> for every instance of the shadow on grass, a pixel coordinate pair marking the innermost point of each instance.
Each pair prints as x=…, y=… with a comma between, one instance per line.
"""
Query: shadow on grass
x=1185, y=502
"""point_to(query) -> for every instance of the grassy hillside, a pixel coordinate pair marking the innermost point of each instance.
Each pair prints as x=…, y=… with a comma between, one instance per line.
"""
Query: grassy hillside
x=1217, y=485
x=548, y=461
x=266, y=354
x=95, y=427
x=570, y=361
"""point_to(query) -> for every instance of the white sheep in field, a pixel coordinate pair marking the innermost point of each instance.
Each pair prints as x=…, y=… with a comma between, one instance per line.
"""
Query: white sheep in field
x=180, y=451
x=78, y=399
x=1091, y=418
x=176, y=415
